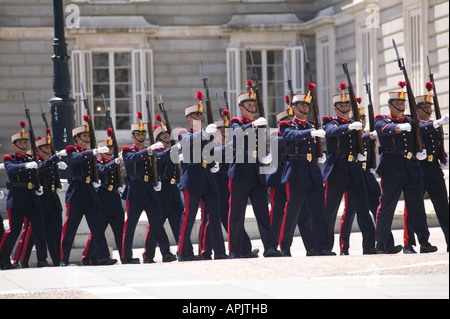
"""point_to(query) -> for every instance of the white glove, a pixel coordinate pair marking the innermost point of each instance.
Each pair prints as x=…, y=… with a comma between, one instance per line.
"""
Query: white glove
x=422, y=155
x=61, y=153
x=40, y=191
x=266, y=159
x=211, y=129
x=2, y=166
x=118, y=160
x=355, y=126
x=1, y=194
x=180, y=158
x=373, y=135
x=97, y=185
x=121, y=189
x=156, y=146
x=157, y=188
x=405, y=127
x=215, y=168
x=444, y=166
x=318, y=133
x=443, y=120
x=101, y=150
x=322, y=159
x=260, y=122
x=31, y=165
x=62, y=165
x=362, y=157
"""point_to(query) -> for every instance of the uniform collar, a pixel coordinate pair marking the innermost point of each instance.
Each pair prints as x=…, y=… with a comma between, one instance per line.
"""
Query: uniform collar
x=20, y=156
x=137, y=149
x=298, y=121
x=397, y=119
x=104, y=159
x=246, y=120
x=79, y=148
x=341, y=119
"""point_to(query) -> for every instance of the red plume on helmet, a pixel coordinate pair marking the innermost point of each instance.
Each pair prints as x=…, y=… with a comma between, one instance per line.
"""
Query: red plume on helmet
x=249, y=83
x=402, y=84
x=86, y=118
x=158, y=118
x=22, y=124
x=109, y=132
x=312, y=86
x=287, y=100
x=429, y=86
x=199, y=95
x=342, y=86
x=48, y=130
x=139, y=115
x=358, y=100
x=225, y=113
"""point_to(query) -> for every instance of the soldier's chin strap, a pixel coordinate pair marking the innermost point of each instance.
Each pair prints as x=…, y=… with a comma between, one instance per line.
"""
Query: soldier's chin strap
x=392, y=104
x=420, y=107
x=343, y=112
x=242, y=105
x=138, y=139
x=22, y=149
x=307, y=113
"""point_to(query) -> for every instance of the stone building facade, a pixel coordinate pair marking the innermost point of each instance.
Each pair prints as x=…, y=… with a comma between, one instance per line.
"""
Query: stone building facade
x=118, y=45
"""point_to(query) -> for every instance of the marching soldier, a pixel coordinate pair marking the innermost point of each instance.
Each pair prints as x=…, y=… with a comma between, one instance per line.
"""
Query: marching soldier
x=140, y=194
x=278, y=195
x=433, y=177
x=51, y=205
x=400, y=171
x=81, y=197
x=246, y=181
x=303, y=178
x=109, y=194
x=169, y=196
x=23, y=201
x=373, y=195
x=342, y=172
x=198, y=184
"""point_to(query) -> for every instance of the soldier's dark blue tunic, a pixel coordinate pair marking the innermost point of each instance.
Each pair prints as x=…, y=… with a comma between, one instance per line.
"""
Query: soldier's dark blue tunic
x=373, y=193
x=433, y=181
x=82, y=200
x=22, y=203
x=246, y=182
x=52, y=211
x=198, y=185
x=111, y=202
x=169, y=199
x=399, y=171
x=343, y=173
x=304, y=184
x=139, y=196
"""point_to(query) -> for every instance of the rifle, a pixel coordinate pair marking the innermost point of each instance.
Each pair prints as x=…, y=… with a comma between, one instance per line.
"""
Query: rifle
x=32, y=142
x=169, y=130
x=289, y=82
x=152, y=138
x=93, y=141
x=52, y=148
x=354, y=105
x=259, y=99
x=225, y=95
x=209, y=112
x=411, y=100
x=373, y=159
x=112, y=134
x=437, y=111
x=314, y=103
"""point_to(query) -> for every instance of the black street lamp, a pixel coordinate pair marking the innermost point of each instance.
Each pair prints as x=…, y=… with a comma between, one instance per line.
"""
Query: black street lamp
x=62, y=104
